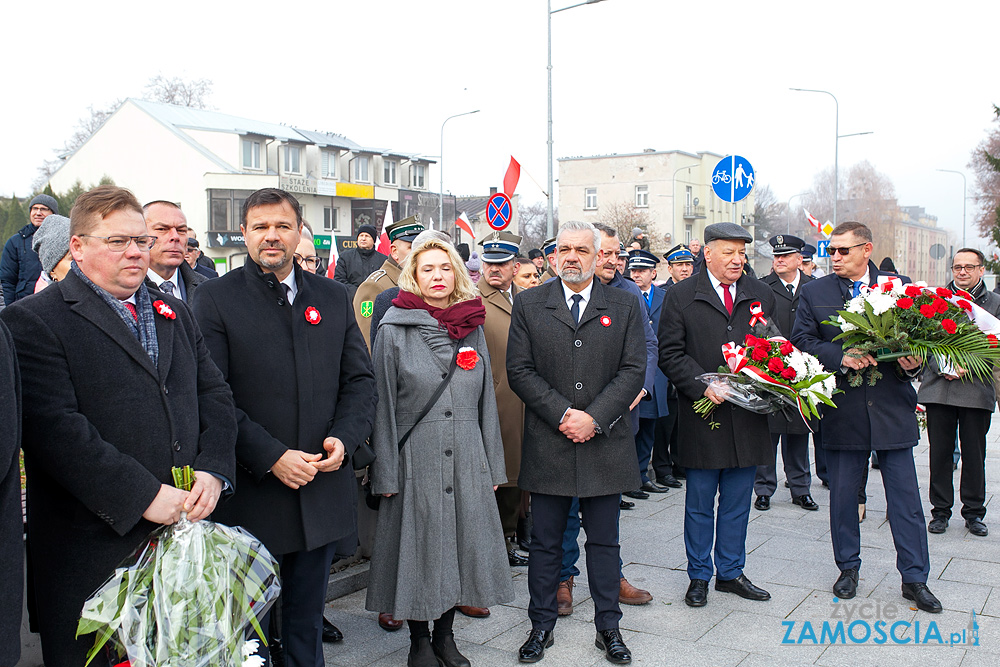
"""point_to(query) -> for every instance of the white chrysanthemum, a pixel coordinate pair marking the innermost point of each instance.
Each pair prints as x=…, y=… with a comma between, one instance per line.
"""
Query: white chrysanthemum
x=798, y=361
x=856, y=305
x=250, y=657
x=881, y=302
x=845, y=325
x=829, y=385
x=250, y=647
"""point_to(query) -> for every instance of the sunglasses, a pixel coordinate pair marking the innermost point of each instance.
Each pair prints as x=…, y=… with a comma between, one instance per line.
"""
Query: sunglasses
x=844, y=252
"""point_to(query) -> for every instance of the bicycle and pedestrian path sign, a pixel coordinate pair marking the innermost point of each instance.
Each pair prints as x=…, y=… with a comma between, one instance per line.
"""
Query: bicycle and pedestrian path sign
x=733, y=178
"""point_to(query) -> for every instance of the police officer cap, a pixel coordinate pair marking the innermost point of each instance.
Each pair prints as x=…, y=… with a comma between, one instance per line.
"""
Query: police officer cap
x=549, y=246
x=404, y=230
x=726, y=231
x=785, y=244
x=622, y=252
x=808, y=250
x=679, y=254
x=499, y=247
x=642, y=259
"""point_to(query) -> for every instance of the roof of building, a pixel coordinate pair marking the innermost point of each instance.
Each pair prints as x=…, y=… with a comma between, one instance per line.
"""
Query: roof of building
x=697, y=155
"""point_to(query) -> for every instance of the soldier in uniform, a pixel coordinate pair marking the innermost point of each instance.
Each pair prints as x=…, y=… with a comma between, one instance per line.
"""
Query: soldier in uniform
x=498, y=289
x=401, y=236
x=549, y=250
x=786, y=280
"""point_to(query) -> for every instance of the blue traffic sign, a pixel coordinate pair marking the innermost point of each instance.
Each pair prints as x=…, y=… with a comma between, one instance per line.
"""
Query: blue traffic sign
x=499, y=211
x=733, y=178
x=822, y=248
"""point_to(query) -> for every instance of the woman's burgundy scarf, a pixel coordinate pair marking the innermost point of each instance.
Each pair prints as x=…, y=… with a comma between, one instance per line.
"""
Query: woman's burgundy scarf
x=459, y=319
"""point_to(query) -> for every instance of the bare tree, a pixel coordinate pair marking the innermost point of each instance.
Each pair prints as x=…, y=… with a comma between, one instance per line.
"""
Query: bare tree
x=175, y=90
x=768, y=213
x=986, y=185
x=624, y=216
x=532, y=224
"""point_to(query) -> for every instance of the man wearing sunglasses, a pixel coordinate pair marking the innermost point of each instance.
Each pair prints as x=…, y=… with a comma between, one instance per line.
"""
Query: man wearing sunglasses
x=877, y=415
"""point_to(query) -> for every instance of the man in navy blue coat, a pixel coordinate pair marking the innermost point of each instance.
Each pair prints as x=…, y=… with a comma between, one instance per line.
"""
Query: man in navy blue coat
x=878, y=415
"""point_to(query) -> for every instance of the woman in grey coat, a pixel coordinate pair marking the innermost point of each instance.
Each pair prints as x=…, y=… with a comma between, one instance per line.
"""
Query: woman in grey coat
x=438, y=541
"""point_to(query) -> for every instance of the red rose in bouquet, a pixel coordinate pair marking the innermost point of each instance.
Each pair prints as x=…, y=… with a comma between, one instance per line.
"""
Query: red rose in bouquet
x=775, y=365
x=944, y=292
x=905, y=303
x=963, y=304
x=913, y=291
x=758, y=354
x=788, y=373
x=785, y=348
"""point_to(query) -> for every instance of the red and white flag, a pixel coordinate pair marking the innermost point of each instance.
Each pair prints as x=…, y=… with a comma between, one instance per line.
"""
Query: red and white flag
x=463, y=223
x=334, y=256
x=812, y=221
x=383, y=241
x=511, y=178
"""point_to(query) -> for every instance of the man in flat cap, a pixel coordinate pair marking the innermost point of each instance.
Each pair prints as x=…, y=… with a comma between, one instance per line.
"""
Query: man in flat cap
x=401, y=235
x=19, y=265
x=720, y=453
x=786, y=281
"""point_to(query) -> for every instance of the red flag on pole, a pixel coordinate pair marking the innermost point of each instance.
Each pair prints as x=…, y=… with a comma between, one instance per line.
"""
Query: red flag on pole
x=383, y=241
x=511, y=178
x=812, y=221
x=463, y=224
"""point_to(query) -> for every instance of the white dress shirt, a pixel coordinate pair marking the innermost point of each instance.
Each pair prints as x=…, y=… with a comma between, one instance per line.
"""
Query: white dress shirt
x=585, y=293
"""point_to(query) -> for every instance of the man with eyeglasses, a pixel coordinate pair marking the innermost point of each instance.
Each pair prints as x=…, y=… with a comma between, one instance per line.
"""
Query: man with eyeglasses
x=168, y=272
x=959, y=404
x=19, y=264
x=876, y=415
x=118, y=387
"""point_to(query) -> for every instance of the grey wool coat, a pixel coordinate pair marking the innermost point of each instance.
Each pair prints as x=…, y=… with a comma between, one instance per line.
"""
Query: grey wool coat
x=438, y=541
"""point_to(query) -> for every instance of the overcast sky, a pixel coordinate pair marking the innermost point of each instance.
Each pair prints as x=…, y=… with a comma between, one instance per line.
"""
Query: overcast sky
x=627, y=75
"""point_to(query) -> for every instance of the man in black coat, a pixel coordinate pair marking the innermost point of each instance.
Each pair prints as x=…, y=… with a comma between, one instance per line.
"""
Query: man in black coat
x=11, y=524
x=877, y=415
x=701, y=315
x=116, y=393
x=289, y=346
x=19, y=264
x=577, y=368
x=356, y=264
x=168, y=270
x=786, y=280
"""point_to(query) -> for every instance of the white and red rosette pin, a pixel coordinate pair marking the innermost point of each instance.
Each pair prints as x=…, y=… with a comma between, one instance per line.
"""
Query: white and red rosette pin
x=467, y=358
x=605, y=321
x=757, y=314
x=313, y=316
x=164, y=310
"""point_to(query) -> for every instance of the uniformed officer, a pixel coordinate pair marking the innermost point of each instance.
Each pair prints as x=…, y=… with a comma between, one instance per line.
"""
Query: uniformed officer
x=785, y=280
x=623, y=261
x=549, y=250
x=809, y=267
x=680, y=264
x=401, y=236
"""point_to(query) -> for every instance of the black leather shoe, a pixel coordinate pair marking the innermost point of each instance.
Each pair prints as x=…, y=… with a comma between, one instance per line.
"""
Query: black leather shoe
x=516, y=558
x=670, y=481
x=763, y=503
x=638, y=494
x=653, y=487
x=447, y=652
x=846, y=586
x=922, y=595
x=805, y=502
x=625, y=505
x=610, y=641
x=743, y=587
x=533, y=649
x=331, y=633
x=977, y=527
x=697, y=593
x=937, y=526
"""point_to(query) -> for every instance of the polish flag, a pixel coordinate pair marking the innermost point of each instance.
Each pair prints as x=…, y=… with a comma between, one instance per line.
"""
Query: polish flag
x=511, y=178
x=464, y=224
x=812, y=221
x=334, y=256
x=383, y=241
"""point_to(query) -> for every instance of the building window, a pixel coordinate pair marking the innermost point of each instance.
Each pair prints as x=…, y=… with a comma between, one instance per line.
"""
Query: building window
x=687, y=233
x=688, y=192
x=292, y=154
x=328, y=167
x=330, y=219
x=590, y=199
x=251, y=154
x=388, y=172
x=642, y=196
x=361, y=169
x=224, y=210
x=419, y=176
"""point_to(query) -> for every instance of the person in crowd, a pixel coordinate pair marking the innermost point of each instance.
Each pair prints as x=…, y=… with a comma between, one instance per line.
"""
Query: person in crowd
x=11, y=529
x=786, y=281
x=575, y=356
x=438, y=541
x=86, y=347
x=639, y=236
x=305, y=252
x=19, y=265
x=401, y=235
x=168, y=271
x=196, y=259
x=474, y=266
x=809, y=266
x=701, y=315
x=876, y=415
x=537, y=258
x=51, y=243
x=464, y=251
x=887, y=266
x=621, y=265
x=694, y=245
x=525, y=273
x=959, y=405
x=356, y=264
x=287, y=343
x=549, y=250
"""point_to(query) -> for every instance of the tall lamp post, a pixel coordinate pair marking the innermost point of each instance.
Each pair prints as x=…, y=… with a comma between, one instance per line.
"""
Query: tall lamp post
x=441, y=166
x=549, y=218
x=788, y=212
x=836, y=145
x=673, y=201
x=952, y=171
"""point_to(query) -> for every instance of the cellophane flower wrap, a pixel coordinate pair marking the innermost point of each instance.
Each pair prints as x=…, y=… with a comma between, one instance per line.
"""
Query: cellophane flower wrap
x=766, y=375
x=894, y=319
x=185, y=598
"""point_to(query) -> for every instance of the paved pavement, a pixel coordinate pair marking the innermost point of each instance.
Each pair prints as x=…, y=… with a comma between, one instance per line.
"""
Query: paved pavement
x=789, y=554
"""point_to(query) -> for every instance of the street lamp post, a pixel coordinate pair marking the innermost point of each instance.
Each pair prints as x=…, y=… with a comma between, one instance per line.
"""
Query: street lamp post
x=952, y=171
x=441, y=166
x=673, y=201
x=549, y=218
x=836, y=145
x=788, y=212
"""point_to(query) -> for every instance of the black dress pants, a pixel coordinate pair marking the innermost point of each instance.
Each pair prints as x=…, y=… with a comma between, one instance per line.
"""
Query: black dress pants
x=972, y=424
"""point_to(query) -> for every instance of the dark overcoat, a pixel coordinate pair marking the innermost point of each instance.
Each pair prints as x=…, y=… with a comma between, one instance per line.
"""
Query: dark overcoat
x=656, y=406
x=102, y=428
x=866, y=418
x=11, y=523
x=785, y=306
x=693, y=328
x=597, y=366
x=190, y=277
x=294, y=383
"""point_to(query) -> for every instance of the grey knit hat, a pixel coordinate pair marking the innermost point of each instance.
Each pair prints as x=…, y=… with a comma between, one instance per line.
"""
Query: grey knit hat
x=47, y=201
x=51, y=241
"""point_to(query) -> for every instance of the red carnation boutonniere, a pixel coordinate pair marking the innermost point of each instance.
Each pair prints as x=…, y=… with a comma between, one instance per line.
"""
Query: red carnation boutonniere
x=467, y=358
x=605, y=321
x=313, y=316
x=164, y=309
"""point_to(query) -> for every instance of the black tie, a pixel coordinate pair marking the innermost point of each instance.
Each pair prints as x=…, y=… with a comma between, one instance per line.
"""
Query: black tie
x=791, y=290
x=575, y=310
x=167, y=288
x=288, y=293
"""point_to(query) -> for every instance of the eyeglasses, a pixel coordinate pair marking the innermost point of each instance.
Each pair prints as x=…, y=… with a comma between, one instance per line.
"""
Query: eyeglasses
x=968, y=268
x=844, y=252
x=312, y=262
x=120, y=243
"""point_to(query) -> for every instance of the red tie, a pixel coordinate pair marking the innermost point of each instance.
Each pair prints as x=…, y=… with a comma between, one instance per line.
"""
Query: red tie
x=728, y=298
x=135, y=315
